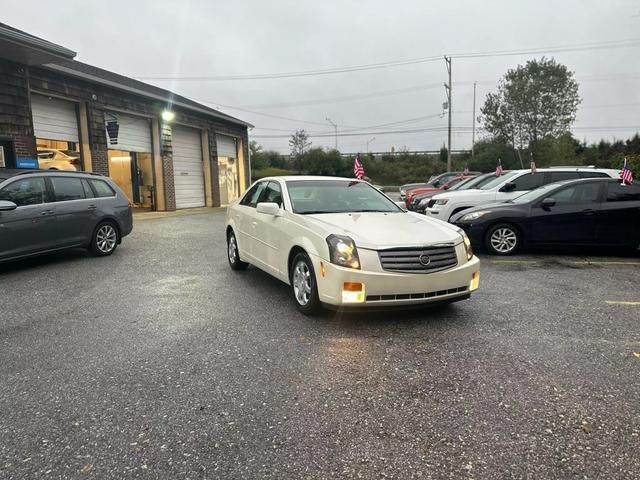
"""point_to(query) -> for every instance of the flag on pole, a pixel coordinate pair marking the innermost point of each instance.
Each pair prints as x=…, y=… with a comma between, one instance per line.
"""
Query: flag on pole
x=626, y=175
x=465, y=172
x=358, y=169
x=533, y=164
x=499, y=168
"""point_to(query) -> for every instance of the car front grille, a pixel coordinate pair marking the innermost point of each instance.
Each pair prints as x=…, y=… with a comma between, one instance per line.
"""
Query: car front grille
x=418, y=260
x=414, y=296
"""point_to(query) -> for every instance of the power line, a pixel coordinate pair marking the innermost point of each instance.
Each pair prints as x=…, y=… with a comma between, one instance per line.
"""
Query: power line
x=396, y=63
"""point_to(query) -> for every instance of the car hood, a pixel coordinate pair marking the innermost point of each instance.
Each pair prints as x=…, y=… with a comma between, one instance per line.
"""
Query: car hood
x=495, y=208
x=385, y=230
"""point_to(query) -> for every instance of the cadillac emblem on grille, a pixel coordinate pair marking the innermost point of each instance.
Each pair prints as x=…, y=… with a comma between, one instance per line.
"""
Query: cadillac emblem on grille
x=424, y=259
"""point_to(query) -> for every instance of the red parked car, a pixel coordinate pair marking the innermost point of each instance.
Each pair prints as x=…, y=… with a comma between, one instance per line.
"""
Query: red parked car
x=410, y=194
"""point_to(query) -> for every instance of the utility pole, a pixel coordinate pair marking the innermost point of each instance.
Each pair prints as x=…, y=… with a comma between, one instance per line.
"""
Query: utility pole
x=448, y=88
x=335, y=128
x=473, y=134
x=368, y=142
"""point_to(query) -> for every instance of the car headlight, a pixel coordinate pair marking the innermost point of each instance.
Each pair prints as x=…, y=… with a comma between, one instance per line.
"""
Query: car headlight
x=343, y=251
x=442, y=201
x=474, y=215
x=467, y=244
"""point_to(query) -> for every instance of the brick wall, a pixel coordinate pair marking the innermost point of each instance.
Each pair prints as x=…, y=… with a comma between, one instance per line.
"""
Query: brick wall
x=167, y=166
x=15, y=110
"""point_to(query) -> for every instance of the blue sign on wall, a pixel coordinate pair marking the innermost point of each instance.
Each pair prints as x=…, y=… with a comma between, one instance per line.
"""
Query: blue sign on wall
x=26, y=162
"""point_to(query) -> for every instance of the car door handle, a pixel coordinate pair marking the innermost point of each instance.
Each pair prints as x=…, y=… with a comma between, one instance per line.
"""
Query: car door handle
x=47, y=212
x=589, y=211
x=91, y=207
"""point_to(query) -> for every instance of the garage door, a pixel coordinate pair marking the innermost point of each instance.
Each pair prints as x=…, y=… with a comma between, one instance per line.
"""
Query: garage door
x=54, y=119
x=134, y=134
x=187, y=167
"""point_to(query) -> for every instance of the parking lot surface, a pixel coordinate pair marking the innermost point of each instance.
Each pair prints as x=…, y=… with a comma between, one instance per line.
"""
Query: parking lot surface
x=161, y=362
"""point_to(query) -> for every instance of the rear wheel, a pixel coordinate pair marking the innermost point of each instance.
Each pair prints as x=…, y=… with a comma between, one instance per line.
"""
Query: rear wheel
x=303, y=285
x=105, y=239
x=233, y=254
x=503, y=239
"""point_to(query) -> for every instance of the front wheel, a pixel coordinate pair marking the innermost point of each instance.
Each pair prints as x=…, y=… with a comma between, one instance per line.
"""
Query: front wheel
x=303, y=285
x=105, y=239
x=502, y=239
x=233, y=254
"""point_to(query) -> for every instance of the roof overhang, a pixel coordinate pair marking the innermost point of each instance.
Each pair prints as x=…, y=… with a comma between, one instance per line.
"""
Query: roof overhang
x=137, y=91
x=26, y=49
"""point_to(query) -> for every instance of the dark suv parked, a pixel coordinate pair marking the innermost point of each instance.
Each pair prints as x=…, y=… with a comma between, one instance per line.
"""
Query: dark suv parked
x=46, y=211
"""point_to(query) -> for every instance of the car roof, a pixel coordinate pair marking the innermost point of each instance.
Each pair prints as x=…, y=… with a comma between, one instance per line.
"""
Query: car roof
x=6, y=173
x=294, y=178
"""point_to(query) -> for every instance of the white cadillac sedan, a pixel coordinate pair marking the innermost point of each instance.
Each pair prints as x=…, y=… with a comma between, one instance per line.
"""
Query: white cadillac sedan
x=340, y=242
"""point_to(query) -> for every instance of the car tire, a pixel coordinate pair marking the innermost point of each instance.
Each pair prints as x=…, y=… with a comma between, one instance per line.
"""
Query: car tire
x=303, y=285
x=233, y=254
x=503, y=239
x=105, y=239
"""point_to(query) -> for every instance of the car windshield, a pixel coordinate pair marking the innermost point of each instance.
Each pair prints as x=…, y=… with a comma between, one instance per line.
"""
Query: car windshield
x=337, y=196
x=533, y=195
x=497, y=180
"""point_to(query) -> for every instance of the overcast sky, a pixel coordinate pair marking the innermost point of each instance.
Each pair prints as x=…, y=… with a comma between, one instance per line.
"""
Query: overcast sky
x=214, y=38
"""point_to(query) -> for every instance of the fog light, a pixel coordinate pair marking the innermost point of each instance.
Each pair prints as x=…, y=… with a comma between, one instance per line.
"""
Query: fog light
x=475, y=281
x=353, y=292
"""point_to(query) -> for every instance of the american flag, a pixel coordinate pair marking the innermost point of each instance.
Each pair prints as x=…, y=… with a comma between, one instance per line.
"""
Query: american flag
x=465, y=172
x=499, y=168
x=358, y=169
x=626, y=175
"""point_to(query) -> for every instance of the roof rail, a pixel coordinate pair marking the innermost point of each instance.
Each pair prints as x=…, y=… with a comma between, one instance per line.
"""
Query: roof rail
x=573, y=166
x=64, y=172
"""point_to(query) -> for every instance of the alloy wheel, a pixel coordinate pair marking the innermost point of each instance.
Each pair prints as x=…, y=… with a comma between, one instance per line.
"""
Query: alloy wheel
x=504, y=240
x=233, y=249
x=106, y=238
x=302, y=283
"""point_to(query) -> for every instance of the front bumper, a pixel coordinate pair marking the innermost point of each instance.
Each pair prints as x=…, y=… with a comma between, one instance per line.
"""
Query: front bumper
x=386, y=289
x=474, y=231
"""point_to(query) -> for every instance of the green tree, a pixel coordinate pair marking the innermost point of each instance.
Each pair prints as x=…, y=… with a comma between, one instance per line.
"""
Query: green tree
x=299, y=143
x=533, y=102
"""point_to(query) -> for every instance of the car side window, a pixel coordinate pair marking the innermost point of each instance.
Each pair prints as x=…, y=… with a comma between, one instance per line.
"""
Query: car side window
x=527, y=181
x=623, y=193
x=559, y=176
x=272, y=194
x=87, y=189
x=252, y=196
x=27, y=191
x=101, y=188
x=585, y=193
x=66, y=189
x=593, y=175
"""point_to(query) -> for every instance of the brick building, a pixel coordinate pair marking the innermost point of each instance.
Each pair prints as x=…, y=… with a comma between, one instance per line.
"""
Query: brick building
x=164, y=150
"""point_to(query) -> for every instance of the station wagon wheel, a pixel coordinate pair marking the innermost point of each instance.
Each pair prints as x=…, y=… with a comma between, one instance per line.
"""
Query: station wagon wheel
x=105, y=239
x=303, y=284
x=502, y=240
x=233, y=254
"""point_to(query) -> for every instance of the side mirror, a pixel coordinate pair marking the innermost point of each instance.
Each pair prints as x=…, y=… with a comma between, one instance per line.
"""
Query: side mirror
x=268, y=208
x=508, y=187
x=402, y=205
x=6, y=206
x=548, y=203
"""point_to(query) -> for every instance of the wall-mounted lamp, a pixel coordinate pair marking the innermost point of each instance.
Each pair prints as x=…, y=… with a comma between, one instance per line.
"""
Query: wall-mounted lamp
x=168, y=115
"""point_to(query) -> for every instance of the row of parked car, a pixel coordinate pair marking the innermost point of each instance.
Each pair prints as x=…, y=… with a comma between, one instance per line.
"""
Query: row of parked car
x=581, y=206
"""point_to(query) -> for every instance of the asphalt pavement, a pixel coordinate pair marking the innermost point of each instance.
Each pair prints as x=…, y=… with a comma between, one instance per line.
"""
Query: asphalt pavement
x=161, y=362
